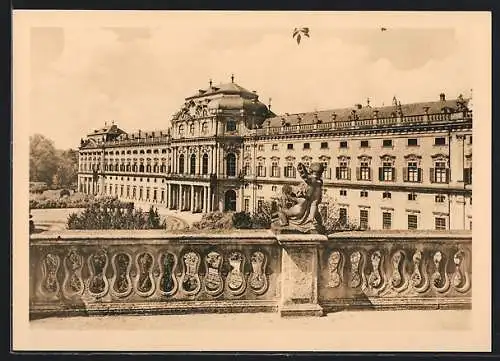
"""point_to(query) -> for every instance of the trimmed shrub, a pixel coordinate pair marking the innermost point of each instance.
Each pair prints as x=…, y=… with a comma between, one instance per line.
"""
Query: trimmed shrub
x=242, y=220
x=113, y=214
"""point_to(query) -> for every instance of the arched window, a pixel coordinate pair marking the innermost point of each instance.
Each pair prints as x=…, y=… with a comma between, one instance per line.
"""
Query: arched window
x=181, y=164
x=191, y=128
x=231, y=126
x=192, y=165
x=204, y=127
x=141, y=168
x=230, y=201
x=231, y=165
x=204, y=166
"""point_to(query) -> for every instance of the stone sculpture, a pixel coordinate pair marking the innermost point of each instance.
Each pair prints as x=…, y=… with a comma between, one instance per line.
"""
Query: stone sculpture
x=298, y=209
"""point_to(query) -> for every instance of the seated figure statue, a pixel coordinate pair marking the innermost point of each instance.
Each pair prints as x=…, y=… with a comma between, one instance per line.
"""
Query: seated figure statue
x=299, y=209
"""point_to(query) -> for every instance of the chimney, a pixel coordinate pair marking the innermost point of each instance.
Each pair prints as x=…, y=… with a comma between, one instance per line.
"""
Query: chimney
x=442, y=97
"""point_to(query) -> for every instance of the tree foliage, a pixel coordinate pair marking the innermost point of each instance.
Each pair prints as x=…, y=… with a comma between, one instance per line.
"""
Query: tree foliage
x=56, y=168
x=298, y=33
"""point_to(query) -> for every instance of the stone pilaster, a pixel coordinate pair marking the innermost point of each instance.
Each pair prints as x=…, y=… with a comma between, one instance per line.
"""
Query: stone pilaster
x=299, y=278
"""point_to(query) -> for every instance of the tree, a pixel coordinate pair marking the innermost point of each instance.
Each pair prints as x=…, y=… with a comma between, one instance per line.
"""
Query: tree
x=43, y=159
x=298, y=33
x=57, y=168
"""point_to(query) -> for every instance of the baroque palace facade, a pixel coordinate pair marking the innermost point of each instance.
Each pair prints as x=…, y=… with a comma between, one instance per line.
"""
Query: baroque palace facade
x=403, y=166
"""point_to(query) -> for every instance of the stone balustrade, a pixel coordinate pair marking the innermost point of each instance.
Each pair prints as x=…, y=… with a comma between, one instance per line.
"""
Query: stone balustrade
x=141, y=272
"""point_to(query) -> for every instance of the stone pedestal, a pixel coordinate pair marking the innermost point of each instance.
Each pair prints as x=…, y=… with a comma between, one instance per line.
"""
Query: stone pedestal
x=299, y=278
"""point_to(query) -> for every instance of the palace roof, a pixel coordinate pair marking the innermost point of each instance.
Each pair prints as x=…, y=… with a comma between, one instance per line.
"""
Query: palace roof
x=360, y=112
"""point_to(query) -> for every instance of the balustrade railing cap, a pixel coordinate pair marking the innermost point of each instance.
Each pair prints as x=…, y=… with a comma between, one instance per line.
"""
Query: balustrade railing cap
x=300, y=239
x=404, y=234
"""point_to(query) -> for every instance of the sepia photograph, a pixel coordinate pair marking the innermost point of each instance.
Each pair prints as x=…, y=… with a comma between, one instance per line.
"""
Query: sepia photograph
x=266, y=181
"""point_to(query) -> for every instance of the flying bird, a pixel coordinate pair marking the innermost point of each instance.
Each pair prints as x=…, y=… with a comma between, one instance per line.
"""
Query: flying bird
x=383, y=29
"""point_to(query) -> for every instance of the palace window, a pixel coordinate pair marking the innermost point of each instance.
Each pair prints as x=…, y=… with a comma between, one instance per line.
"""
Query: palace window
x=289, y=170
x=468, y=170
x=363, y=219
x=289, y=146
x=343, y=171
x=343, y=144
x=412, y=173
x=439, y=198
x=192, y=164
x=412, y=142
x=181, y=130
x=343, y=192
x=260, y=204
x=386, y=220
x=140, y=193
x=412, y=196
x=387, y=172
x=387, y=143
x=181, y=164
x=246, y=205
x=412, y=221
x=141, y=168
x=343, y=216
x=386, y=195
x=275, y=170
x=204, y=164
x=147, y=193
x=327, y=173
x=261, y=169
x=133, y=193
x=231, y=165
x=440, y=141
x=364, y=144
x=364, y=171
x=148, y=168
x=191, y=128
x=247, y=170
x=204, y=127
x=440, y=173
x=154, y=194
x=275, y=147
x=128, y=191
x=121, y=191
x=324, y=145
x=440, y=223
x=307, y=145
x=363, y=194
x=230, y=126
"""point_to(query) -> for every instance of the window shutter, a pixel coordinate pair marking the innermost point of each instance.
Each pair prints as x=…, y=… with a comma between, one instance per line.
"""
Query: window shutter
x=393, y=174
x=380, y=174
x=447, y=175
x=358, y=173
x=337, y=172
x=405, y=174
x=466, y=175
x=349, y=173
x=419, y=175
x=369, y=174
x=431, y=175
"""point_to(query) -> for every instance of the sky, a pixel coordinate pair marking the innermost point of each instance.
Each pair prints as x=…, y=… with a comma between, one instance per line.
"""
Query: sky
x=137, y=75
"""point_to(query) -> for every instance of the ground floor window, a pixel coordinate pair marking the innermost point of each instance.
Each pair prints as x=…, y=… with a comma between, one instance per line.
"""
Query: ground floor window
x=386, y=220
x=246, y=205
x=343, y=216
x=440, y=223
x=363, y=219
x=412, y=221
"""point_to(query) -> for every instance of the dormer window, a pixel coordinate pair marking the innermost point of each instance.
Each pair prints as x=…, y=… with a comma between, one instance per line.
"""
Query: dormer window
x=181, y=130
